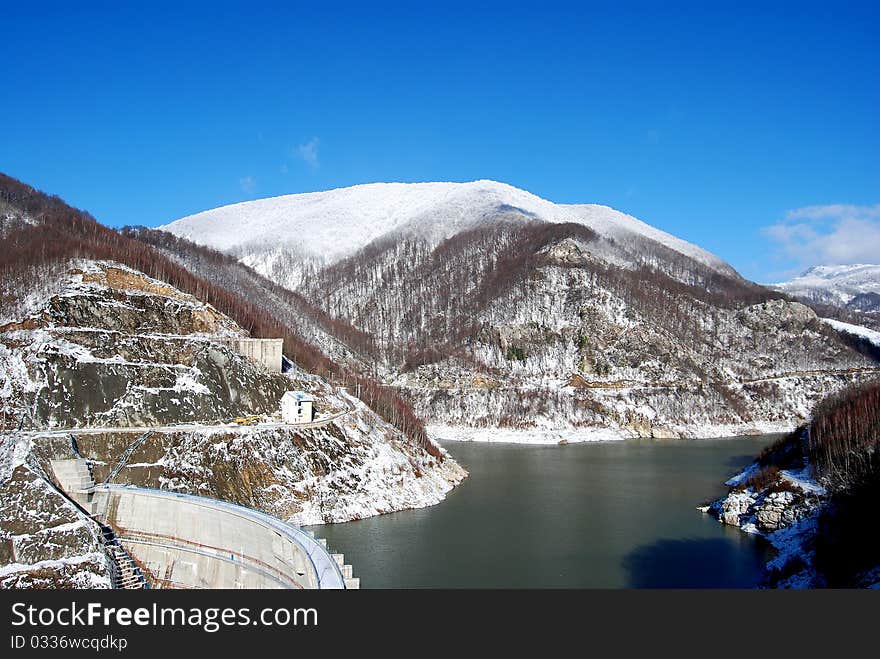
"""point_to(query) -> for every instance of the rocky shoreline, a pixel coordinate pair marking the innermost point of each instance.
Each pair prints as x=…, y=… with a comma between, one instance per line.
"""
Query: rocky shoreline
x=560, y=435
x=783, y=499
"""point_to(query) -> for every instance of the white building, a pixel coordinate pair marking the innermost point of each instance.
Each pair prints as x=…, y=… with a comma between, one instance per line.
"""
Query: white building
x=297, y=407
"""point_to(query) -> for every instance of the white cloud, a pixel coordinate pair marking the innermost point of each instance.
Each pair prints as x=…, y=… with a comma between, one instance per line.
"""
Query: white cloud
x=309, y=152
x=833, y=234
x=248, y=184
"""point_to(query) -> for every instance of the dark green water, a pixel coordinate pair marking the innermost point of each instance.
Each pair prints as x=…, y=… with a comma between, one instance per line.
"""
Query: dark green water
x=594, y=515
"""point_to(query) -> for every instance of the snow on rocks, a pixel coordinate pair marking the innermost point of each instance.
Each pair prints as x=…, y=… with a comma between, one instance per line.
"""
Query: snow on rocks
x=568, y=353
x=112, y=346
x=356, y=466
x=783, y=511
x=86, y=571
x=115, y=349
x=45, y=541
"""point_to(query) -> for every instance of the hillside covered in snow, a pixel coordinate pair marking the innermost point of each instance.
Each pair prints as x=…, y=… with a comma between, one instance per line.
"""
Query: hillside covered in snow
x=500, y=315
x=100, y=360
x=854, y=287
x=45, y=540
x=329, y=226
x=813, y=495
x=111, y=348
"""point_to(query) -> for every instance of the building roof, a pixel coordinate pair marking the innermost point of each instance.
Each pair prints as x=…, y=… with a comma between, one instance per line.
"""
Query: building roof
x=299, y=396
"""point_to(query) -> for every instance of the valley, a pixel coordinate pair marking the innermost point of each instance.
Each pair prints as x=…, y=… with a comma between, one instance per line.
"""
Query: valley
x=413, y=317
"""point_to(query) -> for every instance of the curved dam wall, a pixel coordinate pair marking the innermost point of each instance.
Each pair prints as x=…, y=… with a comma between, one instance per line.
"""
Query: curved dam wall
x=186, y=541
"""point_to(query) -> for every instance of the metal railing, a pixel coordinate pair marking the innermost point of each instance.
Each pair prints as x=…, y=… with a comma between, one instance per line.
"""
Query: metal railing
x=121, y=561
x=126, y=454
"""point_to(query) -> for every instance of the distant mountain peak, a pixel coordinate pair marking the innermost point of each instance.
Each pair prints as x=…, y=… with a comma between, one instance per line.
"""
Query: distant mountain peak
x=834, y=284
x=333, y=224
x=832, y=271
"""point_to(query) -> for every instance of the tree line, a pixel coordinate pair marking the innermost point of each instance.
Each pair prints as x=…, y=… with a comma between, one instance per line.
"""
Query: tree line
x=51, y=233
x=843, y=438
x=423, y=304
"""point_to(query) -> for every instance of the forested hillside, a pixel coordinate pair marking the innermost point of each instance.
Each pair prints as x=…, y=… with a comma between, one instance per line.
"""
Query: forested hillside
x=488, y=307
x=42, y=234
x=814, y=494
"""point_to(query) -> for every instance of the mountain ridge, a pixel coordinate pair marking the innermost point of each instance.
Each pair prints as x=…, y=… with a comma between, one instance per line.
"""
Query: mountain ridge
x=517, y=323
x=502, y=323
x=854, y=287
x=352, y=217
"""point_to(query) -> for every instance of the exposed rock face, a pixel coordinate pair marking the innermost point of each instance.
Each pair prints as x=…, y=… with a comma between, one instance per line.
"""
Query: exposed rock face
x=765, y=510
x=99, y=355
x=351, y=468
x=783, y=507
x=813, y=495
x=780, y=509
x=45, y=541
x=506, y=311
x=112, y=348
x=733, y=507
x=576, y=344
x=569, y=353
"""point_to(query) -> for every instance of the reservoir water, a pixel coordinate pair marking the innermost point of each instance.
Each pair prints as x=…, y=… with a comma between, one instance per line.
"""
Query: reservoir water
x=593, y=515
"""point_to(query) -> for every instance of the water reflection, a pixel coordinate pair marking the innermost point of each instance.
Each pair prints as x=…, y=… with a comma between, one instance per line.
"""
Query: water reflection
x=694, y=563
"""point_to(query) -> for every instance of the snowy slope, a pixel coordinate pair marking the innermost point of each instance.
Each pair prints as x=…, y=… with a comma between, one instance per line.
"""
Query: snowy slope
x=871, y=335
x=336, y=223
x=834, y=284
x=532, y=327
x=45, y=541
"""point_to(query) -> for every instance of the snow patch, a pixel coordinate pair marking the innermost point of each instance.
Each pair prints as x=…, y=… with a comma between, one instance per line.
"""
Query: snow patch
x=871, y=335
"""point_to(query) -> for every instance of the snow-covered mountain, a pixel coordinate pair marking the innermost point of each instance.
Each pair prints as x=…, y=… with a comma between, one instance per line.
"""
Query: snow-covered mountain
x=856, y=287
x=101, y=360
x=334, y=224
x=500, y=314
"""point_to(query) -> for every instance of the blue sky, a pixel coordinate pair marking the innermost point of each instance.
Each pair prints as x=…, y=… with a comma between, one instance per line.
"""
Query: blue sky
x=749, y=130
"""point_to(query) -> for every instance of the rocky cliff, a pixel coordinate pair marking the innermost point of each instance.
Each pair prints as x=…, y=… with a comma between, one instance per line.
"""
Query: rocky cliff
x=107, y=353
x=45, y=541
x=110, y=346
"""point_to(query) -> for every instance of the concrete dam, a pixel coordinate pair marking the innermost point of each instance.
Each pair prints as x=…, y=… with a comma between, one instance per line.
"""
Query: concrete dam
x=186, y=541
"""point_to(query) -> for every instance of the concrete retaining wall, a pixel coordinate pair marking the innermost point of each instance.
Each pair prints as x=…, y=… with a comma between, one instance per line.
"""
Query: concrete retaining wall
x=196, y=542
x=266, y=352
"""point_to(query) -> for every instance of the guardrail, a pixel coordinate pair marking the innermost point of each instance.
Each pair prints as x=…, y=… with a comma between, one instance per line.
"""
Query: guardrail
x=123, y=459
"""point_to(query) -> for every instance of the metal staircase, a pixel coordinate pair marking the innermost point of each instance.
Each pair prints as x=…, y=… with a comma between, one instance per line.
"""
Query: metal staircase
x=127, y=575
x=76, y=481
